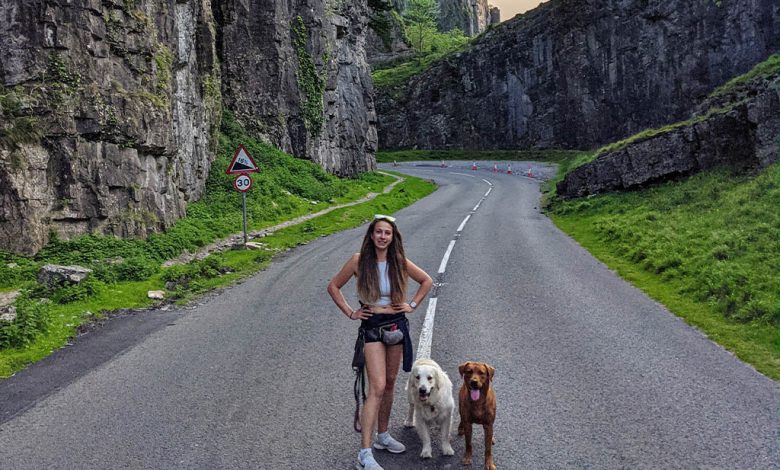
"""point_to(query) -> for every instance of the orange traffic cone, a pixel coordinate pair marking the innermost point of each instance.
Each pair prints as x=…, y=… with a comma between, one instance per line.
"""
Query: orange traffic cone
x=474, y=166
x=509, y=169
x=530, y=173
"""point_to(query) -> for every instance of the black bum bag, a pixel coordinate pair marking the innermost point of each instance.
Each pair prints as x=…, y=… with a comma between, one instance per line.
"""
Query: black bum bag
x=389, y=334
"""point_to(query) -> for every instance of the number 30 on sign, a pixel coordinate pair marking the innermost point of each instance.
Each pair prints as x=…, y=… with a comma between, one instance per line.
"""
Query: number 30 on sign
x=242, y=183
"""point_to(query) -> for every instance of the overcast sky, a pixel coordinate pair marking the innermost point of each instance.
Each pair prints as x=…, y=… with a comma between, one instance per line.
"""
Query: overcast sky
x=510, y=8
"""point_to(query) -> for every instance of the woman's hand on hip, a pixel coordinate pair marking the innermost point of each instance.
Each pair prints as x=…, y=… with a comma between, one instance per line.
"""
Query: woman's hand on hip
x=361, y=314
x=402, y=308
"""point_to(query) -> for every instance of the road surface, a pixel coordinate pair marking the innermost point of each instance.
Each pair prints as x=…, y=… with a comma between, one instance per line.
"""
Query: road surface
x=590, y=373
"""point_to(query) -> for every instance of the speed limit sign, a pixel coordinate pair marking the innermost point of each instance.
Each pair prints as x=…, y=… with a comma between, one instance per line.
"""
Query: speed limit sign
x=242, y=183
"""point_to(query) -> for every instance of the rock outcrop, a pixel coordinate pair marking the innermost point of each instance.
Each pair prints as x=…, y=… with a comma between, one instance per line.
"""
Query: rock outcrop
x=574, y=74
x=109, y=109
x=296, y=74
x=739, y=130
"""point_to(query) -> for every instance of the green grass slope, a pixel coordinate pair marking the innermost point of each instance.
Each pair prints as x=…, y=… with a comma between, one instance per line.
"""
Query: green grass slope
x=708, y=248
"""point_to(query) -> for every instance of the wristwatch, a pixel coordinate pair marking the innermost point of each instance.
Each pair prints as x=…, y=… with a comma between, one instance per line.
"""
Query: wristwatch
x=413, y=304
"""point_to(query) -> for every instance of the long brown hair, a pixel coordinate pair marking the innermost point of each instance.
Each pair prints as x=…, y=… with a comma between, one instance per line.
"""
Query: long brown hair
x=368, y=271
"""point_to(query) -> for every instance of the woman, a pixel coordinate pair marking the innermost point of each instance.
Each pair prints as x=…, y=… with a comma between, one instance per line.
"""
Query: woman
x=381, y=269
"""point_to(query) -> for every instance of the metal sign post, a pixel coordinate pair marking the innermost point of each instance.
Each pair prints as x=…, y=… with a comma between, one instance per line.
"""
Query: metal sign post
x=244, y=198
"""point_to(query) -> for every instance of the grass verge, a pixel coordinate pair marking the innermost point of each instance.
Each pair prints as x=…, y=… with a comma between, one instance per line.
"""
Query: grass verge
x=707, y=248
x=218, y=270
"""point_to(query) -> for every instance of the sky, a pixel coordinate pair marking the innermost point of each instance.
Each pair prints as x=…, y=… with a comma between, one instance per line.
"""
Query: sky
x=510, y=8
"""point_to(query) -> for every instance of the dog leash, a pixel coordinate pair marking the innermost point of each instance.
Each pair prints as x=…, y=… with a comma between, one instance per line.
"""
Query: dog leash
x=360, y=386
x=358, y=363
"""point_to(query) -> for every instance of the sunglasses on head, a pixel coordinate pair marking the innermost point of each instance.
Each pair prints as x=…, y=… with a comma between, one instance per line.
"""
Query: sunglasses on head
x=386, y=217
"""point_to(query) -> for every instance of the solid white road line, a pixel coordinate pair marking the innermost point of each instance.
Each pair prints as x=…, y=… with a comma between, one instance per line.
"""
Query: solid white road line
x=426, y=334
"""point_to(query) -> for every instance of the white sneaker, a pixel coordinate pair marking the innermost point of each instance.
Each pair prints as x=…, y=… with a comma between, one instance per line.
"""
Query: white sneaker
x=367, y=462
x=386, y=442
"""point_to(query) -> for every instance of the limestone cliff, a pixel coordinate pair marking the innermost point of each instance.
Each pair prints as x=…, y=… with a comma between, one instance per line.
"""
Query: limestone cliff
x=576, y=74
x=109, y=109
x=296, y=74
x=470, y=16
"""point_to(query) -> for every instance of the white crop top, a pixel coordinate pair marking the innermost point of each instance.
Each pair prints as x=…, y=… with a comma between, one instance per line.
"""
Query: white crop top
x=384, y=284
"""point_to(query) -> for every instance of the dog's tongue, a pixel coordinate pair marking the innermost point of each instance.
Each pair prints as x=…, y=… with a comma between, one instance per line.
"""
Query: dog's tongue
x=474, y=395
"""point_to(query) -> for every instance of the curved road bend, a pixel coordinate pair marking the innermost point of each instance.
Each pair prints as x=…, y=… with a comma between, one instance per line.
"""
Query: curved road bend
x=590, y=372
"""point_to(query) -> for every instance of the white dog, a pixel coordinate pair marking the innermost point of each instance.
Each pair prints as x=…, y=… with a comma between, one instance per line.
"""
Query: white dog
x=430, y=403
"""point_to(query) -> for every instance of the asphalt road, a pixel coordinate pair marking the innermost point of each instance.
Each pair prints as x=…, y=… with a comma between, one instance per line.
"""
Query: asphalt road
x=590, y=373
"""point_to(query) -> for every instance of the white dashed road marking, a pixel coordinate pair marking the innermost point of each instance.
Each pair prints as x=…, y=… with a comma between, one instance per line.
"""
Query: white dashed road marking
x=426, y=335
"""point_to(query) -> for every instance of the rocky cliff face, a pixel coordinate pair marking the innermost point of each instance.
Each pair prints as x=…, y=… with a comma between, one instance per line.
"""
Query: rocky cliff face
x=577, y=74
x=108, y=116
x=110, y=108
x=296, y=74
x=740, y=130
x=386, y=41
x=470, y=16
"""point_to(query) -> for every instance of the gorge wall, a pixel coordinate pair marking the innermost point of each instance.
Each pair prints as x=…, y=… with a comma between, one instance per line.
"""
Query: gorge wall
x=296, y=74
x=108, y=121
x=739, y=130
x=576, y=74
x=110, y=109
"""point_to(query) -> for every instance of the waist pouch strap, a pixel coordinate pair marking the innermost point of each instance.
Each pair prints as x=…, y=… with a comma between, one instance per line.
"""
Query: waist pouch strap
x=404, y=326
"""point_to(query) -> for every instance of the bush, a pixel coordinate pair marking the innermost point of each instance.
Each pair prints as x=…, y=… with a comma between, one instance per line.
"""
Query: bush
x=187, y=276
x=32, y=319
x=86, y=288
x=16, y=270
x=136, y=269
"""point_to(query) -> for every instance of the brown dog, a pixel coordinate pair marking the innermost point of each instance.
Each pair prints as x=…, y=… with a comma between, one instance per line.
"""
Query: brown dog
x=477, y=405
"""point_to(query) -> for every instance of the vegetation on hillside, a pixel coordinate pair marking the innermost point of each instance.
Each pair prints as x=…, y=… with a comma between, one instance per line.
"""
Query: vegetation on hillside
x=429, y=44
x=420, y=19
x=395, y=76
x=762, y=70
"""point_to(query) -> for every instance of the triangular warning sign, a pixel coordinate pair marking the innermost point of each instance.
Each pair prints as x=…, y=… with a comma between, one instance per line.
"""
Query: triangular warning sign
x=242, y=162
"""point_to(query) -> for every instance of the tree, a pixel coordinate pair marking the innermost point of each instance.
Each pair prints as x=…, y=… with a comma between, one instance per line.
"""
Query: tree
x=420, y=17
